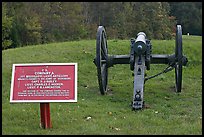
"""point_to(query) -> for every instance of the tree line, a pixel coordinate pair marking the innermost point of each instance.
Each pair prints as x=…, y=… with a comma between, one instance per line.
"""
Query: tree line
x=27, y=23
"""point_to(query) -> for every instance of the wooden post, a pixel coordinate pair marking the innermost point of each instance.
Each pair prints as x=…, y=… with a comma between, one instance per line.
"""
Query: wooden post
x=45, y=115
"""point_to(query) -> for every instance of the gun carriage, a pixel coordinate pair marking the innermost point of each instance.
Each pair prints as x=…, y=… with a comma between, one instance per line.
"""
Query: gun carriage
x=139, y=59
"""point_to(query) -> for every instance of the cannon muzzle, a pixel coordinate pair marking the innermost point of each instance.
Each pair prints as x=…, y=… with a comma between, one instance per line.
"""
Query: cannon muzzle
x=140, y=43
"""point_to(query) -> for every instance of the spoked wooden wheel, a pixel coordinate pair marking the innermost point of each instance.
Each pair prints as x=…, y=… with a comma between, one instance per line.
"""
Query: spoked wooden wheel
x=101, y=59
x=178, y=56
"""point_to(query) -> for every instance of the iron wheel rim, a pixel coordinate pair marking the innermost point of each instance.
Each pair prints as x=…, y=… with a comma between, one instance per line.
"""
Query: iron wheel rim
x=178, y=55
x=101, y=58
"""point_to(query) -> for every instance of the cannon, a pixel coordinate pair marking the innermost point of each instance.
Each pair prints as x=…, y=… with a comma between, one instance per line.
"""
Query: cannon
x=139, y=59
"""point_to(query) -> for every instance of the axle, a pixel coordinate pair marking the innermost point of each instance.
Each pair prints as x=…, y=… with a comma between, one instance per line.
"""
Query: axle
x=125, y=59
x=155, y=59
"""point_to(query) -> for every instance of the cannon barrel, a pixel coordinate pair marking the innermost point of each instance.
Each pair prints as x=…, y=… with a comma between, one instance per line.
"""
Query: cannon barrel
x=140, y=43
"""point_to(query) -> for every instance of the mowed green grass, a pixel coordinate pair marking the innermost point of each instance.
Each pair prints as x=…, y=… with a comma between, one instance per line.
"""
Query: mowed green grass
x=167, y=112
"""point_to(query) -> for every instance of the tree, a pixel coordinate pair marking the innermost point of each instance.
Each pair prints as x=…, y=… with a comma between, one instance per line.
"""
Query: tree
x=151, y=18
x=6, y=27
x=189, y=15
x=25, y=26
x=43, y=22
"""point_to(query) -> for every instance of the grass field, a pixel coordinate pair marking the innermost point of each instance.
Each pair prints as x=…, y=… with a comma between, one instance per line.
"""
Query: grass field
x=167, y=113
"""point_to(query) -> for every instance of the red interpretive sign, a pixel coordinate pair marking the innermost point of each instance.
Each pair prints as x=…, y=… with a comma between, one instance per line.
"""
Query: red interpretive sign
x=45, y=82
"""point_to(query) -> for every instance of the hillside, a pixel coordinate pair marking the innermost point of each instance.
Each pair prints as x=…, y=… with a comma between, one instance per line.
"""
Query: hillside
x=167, y=113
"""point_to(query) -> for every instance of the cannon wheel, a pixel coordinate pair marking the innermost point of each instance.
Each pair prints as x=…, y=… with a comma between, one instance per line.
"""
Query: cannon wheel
x=178, y=56
x=101, y=59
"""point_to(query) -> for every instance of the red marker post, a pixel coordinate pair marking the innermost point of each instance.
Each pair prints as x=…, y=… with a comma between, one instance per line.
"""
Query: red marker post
x=44, y=83
x=45, y=115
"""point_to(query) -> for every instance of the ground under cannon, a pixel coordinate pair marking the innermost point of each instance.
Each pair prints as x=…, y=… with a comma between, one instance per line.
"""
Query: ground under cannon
x=139, y=59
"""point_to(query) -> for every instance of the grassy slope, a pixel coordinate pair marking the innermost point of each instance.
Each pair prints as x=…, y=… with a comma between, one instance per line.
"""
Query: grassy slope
x=168, y=112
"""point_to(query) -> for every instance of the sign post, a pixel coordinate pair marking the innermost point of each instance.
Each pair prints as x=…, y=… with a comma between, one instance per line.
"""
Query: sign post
x=44, y=83
x=45, y=115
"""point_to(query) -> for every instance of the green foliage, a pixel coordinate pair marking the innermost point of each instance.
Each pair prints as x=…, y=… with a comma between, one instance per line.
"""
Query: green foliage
x=6, y=27
x=126, y=19
x=153, y=18
x=44, y=22
x=33, y=28
x=189, y=15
